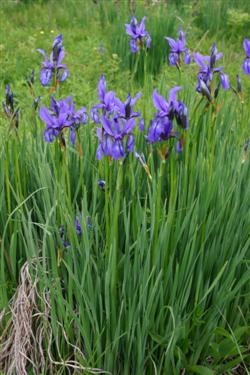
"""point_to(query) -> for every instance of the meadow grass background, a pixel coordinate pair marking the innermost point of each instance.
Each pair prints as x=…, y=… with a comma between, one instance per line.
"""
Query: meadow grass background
x=160, y=282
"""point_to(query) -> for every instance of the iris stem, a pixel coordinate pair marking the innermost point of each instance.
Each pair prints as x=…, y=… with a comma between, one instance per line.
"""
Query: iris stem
x=157, y=211
x=115, y=229
x=17, y=173
x=7, y=182
x=134, y=71
x=107, y=187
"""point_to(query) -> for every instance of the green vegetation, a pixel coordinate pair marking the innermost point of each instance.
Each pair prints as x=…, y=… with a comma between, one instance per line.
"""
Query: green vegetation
x=160, y=281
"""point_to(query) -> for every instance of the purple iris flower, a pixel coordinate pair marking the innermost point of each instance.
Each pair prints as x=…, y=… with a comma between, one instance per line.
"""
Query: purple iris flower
x=177, y=48
x=106, y=105
x=60, y=116
x=161, y=127
x=206, y=72
x=246, y=62
x=118, y=119
x=115, y=137
x=54, y=64
x=139, y=36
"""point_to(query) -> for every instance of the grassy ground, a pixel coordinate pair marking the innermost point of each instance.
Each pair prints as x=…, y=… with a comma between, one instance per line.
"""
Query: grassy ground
x=160, y=281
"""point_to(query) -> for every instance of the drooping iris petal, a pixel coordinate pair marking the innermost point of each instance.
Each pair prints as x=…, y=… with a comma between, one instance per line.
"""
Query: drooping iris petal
x=99, y=152
x=45, y=76
x=133, y=46
x=160, y=129
x=95, y=115
x=246, y=45
x=204, y=90
x=130, y=143
x=64, y=75
x=107, y=126
x=173, y=58
x=117, y=150
x=224, y=81
x=246, y=66
x=187, y=58
x=49, y=135
x=182, y=115
x=148, y=41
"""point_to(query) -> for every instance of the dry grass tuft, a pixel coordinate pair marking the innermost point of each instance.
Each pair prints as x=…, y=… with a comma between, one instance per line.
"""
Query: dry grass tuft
x=27, y=337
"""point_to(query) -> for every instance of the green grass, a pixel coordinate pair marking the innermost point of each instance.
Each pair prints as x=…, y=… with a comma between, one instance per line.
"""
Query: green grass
x=161, y=282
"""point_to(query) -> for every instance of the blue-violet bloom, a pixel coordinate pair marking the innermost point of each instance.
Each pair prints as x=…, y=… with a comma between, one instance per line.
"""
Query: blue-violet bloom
x=54, y=64
x=177, y=48
x=206, y=72
x=61, y=116
x=161, y=127
x=139, y=36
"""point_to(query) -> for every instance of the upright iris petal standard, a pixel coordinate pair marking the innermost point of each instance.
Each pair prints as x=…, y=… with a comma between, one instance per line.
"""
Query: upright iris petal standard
x=60, y=116
x=54, y=65
x=140, y=38
x=177, y=48
x=246, y=62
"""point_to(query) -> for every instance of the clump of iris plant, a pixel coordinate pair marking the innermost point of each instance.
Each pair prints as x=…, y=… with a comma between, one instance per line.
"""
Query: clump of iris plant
x=206, y=74
x=53, y=68
x=246, y=62
x=161, y=127
x=177, y=49
x=117, y=120
x=140, y=38
x=9, y=109
x=61, y=116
